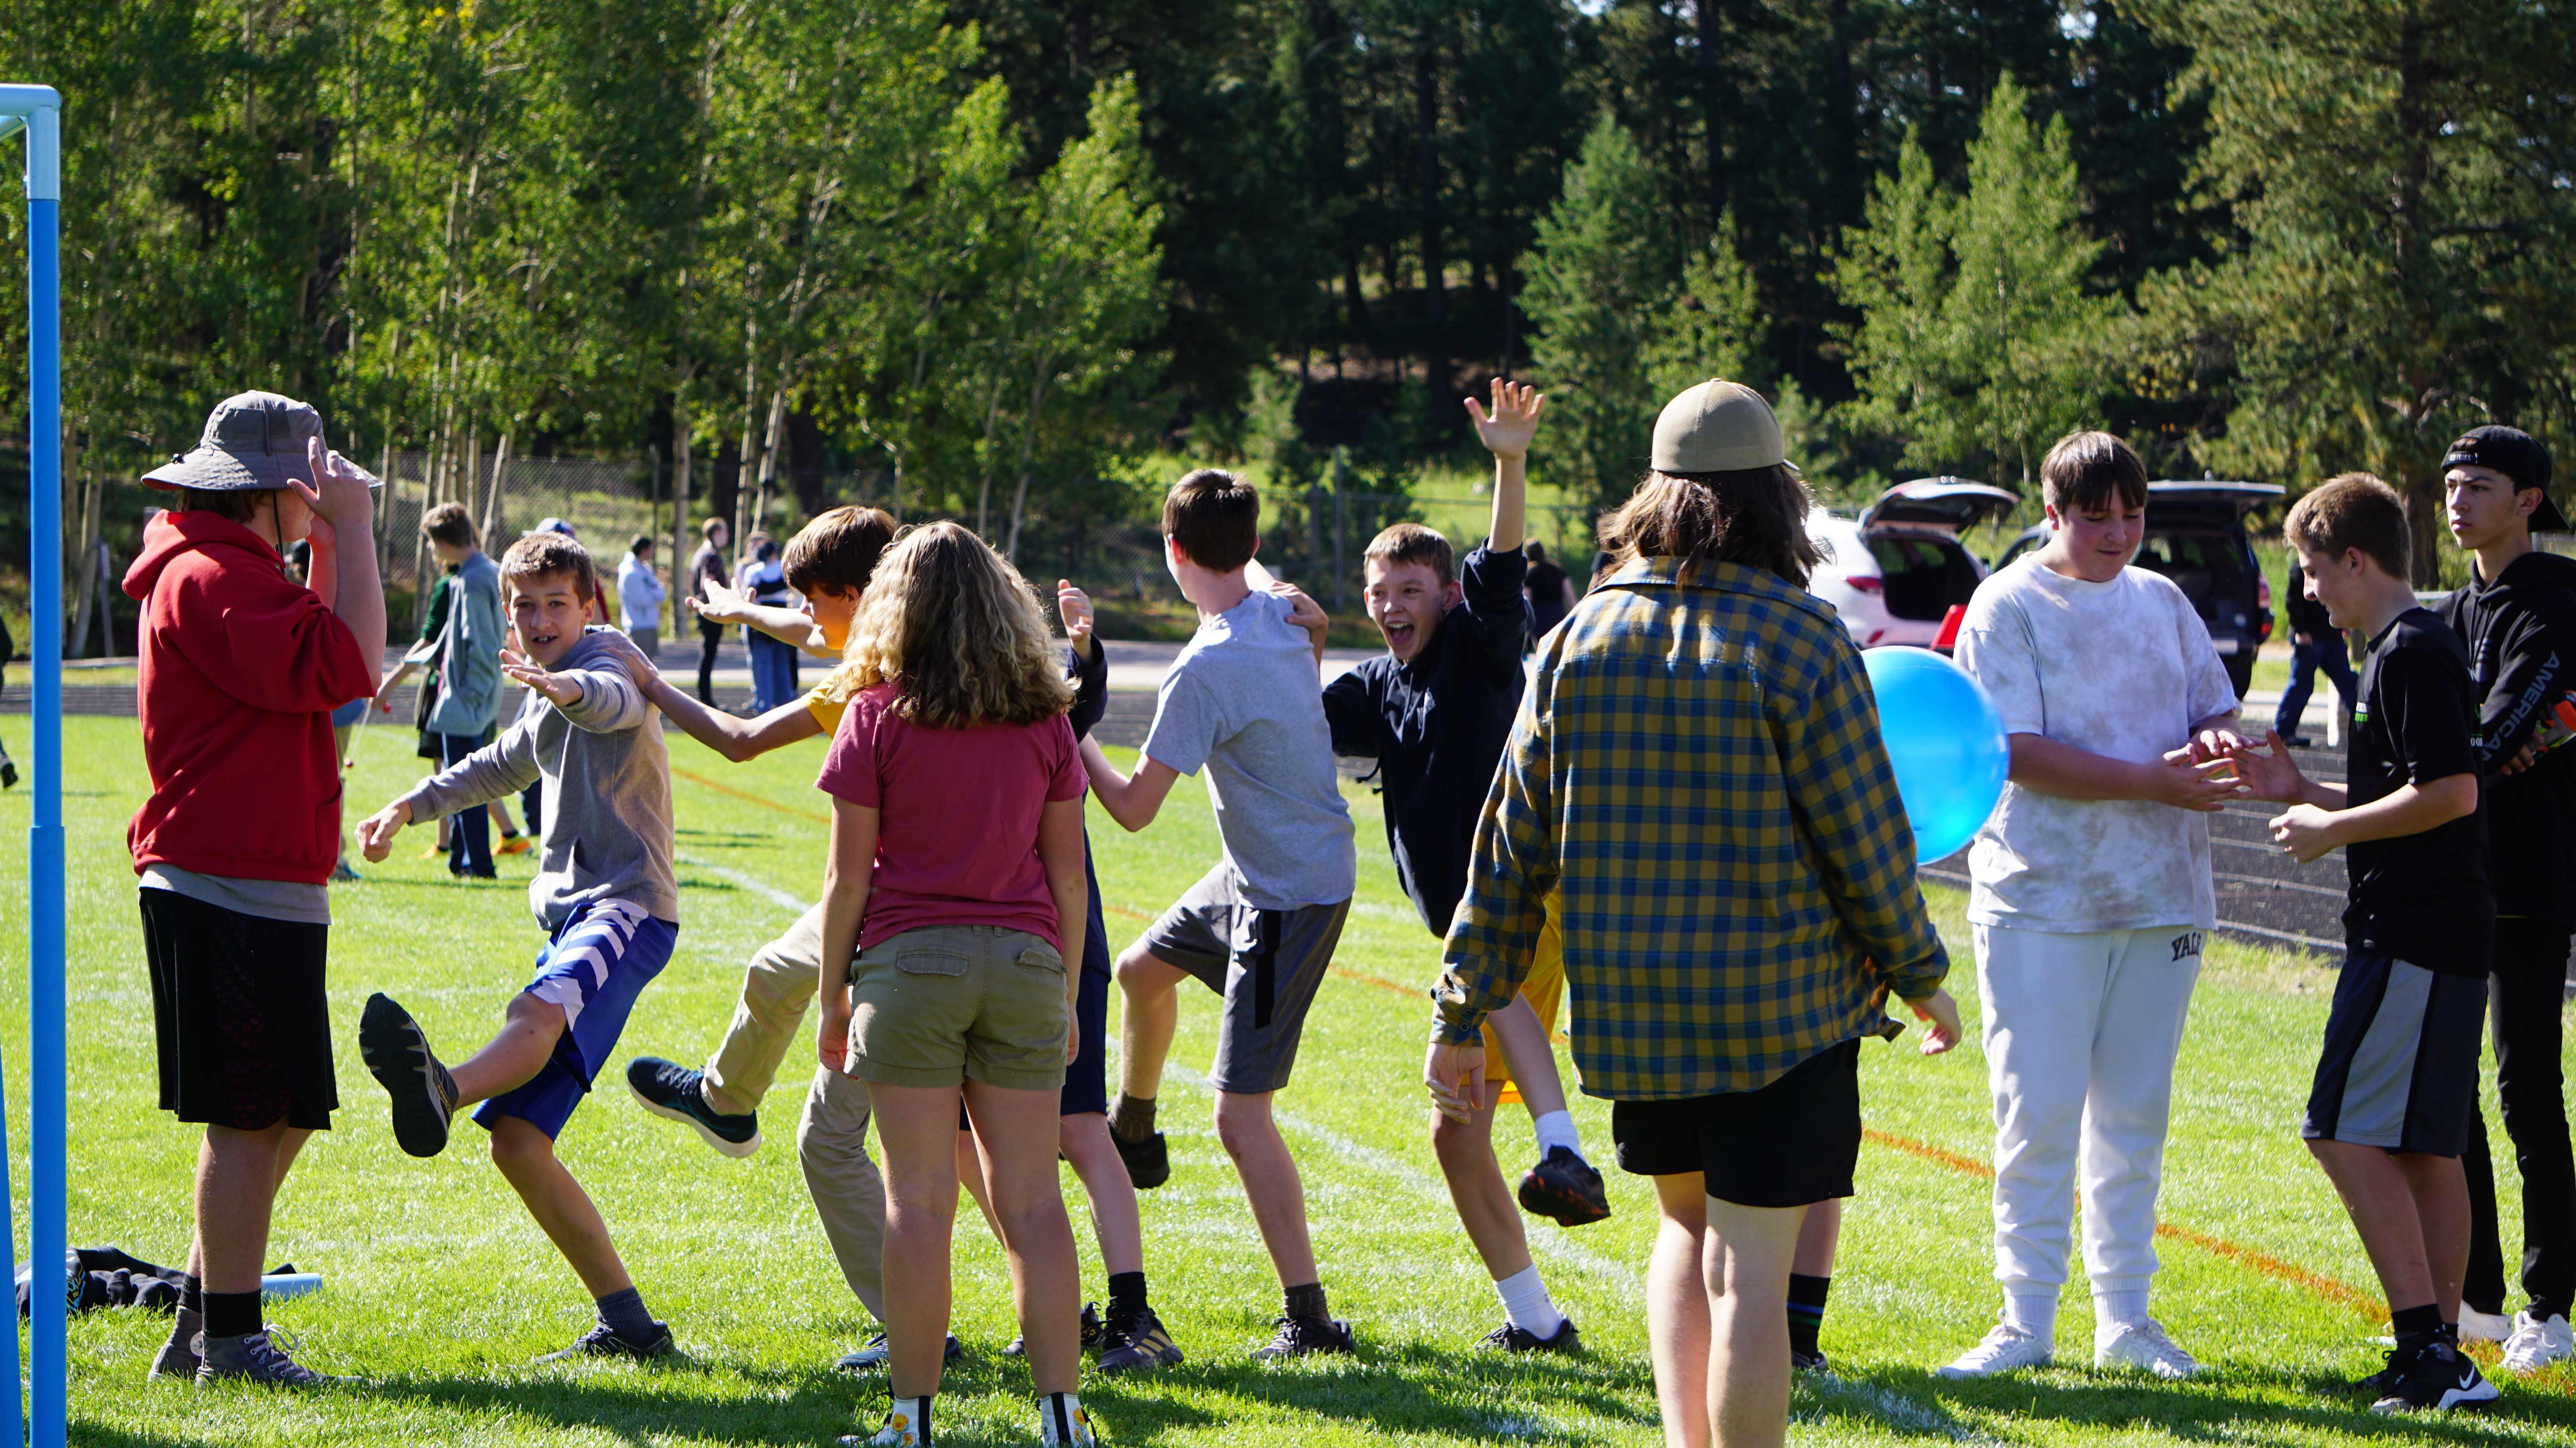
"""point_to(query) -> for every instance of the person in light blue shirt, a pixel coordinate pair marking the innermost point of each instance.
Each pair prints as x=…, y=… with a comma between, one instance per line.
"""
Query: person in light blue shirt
x=639, y=598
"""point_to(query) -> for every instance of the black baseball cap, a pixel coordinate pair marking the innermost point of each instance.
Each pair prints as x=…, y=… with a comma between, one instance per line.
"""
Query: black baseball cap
x=2519, y=456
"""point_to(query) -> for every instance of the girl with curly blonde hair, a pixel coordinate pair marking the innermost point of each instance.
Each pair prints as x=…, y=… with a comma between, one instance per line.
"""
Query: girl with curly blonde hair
x=954, y=896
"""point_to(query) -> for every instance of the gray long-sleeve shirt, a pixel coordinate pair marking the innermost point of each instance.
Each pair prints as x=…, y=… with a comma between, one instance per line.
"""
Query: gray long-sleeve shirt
x=607, y=802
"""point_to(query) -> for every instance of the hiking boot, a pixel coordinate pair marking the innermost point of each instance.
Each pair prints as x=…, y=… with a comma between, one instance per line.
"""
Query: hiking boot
x=669, y=1089
x=1299, y=1336
x=2438, y=1379
x=1508, y=1338
x=1128, y=1346
x=603, y=1341
x=398, y=1055
x=872, y=1357
x=1565, y=1188
x=253, y=1358
x=1149, y=1162
x=178, y=1359
x=1091, y=1331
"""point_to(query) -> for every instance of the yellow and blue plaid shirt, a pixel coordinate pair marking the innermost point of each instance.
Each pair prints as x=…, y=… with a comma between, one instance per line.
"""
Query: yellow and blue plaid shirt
x=1697, y=769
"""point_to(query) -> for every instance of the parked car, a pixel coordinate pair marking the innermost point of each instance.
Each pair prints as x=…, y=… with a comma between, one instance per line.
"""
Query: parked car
x=2196, y=537
x=1895, y=571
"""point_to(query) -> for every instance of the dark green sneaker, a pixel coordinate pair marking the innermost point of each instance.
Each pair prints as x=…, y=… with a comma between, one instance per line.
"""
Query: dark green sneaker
x=398, y=1056
x=669, y=1089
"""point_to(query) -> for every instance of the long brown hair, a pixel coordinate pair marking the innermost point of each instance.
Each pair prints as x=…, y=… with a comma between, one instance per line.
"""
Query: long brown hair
x=956, y=626
x=1756, y=517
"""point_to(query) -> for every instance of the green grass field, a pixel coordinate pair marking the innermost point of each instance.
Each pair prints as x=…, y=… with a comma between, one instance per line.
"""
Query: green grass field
x=440, y=1289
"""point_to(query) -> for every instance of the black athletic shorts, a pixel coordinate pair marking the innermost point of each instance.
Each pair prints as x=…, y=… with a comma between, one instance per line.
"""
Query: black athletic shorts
x=2400, y=1066
x=239, y=1014
x=1791, y=1144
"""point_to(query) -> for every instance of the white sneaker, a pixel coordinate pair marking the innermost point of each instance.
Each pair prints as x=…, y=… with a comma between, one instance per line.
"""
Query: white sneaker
x=2476, y=1326
x=2143, y=1345
x=2006, y=1349
x=2536, y=1344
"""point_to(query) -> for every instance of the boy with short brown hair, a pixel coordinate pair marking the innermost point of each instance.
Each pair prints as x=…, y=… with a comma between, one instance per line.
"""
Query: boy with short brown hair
x=2396, y=1083
x=605, y=893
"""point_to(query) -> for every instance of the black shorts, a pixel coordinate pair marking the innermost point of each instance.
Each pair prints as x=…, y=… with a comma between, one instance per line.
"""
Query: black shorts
x=239, y=1014
x=1790, y=1144
x=2400, y=1066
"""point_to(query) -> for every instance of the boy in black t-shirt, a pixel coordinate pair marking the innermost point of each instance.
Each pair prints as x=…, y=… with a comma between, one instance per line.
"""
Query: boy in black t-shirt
x=2388, y=1115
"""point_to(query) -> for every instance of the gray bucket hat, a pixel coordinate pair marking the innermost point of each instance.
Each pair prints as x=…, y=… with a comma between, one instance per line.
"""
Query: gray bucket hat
x=252, y=440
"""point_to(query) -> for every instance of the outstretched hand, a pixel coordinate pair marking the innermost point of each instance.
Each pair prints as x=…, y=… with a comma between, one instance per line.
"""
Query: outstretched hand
x=558, y=690
x=2269, y=774
x=724, y=602
x=1074, y=607
x=1507, y=430
x=376, y=832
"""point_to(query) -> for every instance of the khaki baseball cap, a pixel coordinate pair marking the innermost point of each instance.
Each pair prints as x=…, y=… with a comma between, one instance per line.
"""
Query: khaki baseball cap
x=1717, y=427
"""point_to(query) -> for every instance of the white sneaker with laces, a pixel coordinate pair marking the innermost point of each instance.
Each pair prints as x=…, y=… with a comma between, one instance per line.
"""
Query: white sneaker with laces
x=2476, y=1326
x=2141, y=1345
x=2006, y=1349
x=2536, y=1344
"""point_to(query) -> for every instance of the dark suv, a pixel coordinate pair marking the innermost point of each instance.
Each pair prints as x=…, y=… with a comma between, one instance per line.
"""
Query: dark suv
x=2196, y=537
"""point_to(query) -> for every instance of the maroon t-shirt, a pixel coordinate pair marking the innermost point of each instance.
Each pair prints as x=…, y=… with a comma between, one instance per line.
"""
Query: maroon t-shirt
x=957, y=815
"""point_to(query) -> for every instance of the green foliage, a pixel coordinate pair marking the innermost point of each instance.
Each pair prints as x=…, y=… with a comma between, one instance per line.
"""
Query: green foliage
x=1978, y=342
x=1602, y=262
x=1711, y=326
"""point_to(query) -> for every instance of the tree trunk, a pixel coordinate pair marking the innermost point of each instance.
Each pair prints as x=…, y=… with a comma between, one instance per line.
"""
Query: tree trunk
x=680, y=549
x=492, y=520
x=1435, y=278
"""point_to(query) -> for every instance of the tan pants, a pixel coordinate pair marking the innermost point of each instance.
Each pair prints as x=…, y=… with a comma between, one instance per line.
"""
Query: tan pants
x=832, y=1132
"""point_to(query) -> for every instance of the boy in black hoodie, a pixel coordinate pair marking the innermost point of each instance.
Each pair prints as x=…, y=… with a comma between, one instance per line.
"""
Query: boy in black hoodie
x=2518, y=618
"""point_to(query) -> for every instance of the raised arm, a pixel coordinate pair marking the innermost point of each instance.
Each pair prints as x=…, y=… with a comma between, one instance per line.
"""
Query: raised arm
x=1506, y=433
x=339, y=496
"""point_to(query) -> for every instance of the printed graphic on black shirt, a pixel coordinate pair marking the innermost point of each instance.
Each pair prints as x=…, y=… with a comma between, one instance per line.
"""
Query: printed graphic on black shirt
x=2420, y=898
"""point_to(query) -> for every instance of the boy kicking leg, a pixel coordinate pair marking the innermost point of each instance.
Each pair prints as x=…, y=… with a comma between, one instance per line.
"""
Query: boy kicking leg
x=556, y=1036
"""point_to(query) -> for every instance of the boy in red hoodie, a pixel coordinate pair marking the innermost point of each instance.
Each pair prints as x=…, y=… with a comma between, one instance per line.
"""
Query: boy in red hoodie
x=240, y=669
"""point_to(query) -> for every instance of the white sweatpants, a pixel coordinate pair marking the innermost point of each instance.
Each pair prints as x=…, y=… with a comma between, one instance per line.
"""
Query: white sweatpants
x=2081, y=1032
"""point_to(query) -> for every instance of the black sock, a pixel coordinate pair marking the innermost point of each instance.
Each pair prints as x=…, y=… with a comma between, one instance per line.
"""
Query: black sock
x=1806, y=1311
x=624, y=1311
x=232, y=1314
x=2416, y=1327
x=1308, y=1302
x=1126, y=1294
x=1131, y=1118
x=192, y=1295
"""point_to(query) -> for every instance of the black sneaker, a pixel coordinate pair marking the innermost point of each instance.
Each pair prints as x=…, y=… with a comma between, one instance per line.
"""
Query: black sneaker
x=1808, y=1362
x=1508, y=1338
x=2383, y=1382
x=670, y=1089
x=1091, y=1330
x=1129, y=1346
x=178, y=1359
x=8, y=772
x=871, y=1358
x=1299, y=1336
x=398, y=1055
x=1149, y=1162
x=1565, y=1187
x=254, y=1358
x=2438, y=1378
x=605, y=1341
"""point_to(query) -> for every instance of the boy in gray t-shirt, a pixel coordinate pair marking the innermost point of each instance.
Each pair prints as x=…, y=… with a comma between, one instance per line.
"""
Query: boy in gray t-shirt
x=1258, y=929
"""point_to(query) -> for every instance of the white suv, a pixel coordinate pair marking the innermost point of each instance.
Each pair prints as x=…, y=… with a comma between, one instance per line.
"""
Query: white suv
x=1896, y=571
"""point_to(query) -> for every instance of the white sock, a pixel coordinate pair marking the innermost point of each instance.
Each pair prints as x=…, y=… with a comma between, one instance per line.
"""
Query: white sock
x=912, y=1415
x=1526, y=1305
x=1059, y=1418
x=2033, y=1309
x=2119, y=1309
x=1556, y=1129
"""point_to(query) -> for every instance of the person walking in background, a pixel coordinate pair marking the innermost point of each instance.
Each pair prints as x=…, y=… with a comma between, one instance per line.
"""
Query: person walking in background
x=773, y=662
x=8, y=647
x=706, y=566
x=639, y=598
x=1548, y=588
x=2315, y=644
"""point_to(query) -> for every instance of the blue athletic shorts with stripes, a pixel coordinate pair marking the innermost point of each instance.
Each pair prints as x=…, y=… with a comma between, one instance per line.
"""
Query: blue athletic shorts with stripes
x=594, y=967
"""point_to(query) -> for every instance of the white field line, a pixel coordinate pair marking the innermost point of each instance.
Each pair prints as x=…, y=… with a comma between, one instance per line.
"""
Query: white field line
x=759, y=887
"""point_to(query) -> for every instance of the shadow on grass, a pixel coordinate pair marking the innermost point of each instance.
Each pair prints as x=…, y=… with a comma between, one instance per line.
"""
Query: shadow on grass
x=2225, y=1404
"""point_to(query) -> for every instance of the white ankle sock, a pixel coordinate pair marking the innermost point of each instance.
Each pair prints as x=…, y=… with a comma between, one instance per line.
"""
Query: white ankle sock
x=2033, y=1309
x=1059, y=1418
x=1526, y=1305
x=1556, y=1129
x=915, y=1414
x=2119, y=1309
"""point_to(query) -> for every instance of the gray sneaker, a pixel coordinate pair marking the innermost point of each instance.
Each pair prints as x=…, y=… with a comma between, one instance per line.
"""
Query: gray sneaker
x=254, y=1358
x=179, y=1357
x=398, y=1055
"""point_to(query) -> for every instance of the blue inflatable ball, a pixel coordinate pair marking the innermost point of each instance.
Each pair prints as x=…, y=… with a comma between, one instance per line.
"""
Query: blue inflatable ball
x=1945, y=740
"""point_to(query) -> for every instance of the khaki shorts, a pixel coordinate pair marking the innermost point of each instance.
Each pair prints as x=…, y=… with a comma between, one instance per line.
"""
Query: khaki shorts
x=946, y=1003
x=1544, y=989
